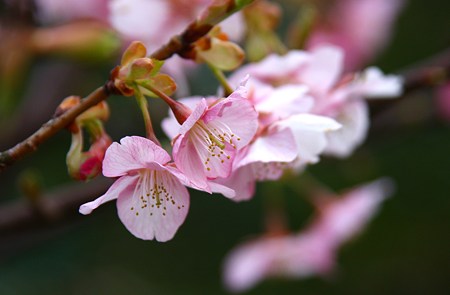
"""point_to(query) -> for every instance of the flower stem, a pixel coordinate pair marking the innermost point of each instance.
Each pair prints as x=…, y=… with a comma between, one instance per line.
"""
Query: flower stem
x=222, y=79
x=143, y=105
x=180, y=111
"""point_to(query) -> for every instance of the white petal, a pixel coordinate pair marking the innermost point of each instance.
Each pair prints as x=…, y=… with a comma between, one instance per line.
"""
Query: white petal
x=373, y=83
x=309, y=133
x=354, y=118
x=277, y=146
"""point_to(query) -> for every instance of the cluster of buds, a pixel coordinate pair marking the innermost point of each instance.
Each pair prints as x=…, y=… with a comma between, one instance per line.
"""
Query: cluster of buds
x=138, y=73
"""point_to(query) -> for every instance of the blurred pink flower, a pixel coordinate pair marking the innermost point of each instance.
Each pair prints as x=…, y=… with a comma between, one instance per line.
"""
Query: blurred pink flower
x=318, y=75
x=361, y=28
x=152, y=201
x=343, y=217
x=295, y=256
x=312, y=251
x=443, y=101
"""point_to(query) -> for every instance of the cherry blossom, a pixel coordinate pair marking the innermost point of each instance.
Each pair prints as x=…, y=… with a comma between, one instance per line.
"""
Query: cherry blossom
x=343, y=217
x=208, y=140
x=152, y=201
x=332, y=95
x=312, y=251
x=296, y=256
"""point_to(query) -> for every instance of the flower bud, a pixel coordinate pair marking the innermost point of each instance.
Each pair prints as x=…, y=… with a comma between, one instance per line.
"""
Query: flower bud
x=138, y=71
x=215, y=49
x=99, y=111
x=86, y=165
x=140, y=68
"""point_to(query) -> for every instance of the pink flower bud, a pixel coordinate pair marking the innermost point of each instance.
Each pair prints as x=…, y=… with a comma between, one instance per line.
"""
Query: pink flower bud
x=86, y=165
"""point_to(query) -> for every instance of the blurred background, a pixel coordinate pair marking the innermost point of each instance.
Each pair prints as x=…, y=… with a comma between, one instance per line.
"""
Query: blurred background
x=405, y=250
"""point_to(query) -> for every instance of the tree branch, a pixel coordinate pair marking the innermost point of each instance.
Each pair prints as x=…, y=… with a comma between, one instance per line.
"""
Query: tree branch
x=180, y=44
x=50, y=128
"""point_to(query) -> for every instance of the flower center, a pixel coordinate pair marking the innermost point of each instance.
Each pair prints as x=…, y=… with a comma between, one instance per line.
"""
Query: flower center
x=151, y=196
x=211, y=141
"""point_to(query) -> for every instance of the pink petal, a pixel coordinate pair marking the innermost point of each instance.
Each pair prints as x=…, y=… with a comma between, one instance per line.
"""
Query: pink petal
x=218, y=163
x=170, y=124
x=132, y=153
x=147, y=219
x=276, y=146
x=242, y=182
x=269, y=171
x=124, y=184
x=248, y=264
x=222, y=189
x=281, y=256
x=343, y=218
x=194, y=117
x=188, y=161
x=276, y=67
x=236, y=117
x=323, y=70
x=286, y=100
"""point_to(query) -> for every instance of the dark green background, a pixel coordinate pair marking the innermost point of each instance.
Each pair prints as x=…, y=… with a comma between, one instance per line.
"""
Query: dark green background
x=406, y=250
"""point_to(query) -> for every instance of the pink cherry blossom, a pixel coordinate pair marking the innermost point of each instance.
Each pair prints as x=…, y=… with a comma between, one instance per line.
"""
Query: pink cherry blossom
x=318, y=76
x=290, y=143
x=361, y=27
x=342, y=218
x=210, y=137
x=152, y=201
x=312, y=251
x=296, y=256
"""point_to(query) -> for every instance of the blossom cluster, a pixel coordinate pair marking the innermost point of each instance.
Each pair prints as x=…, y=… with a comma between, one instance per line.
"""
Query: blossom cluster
x=289, y=111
